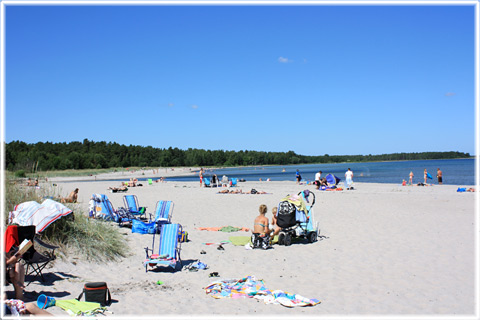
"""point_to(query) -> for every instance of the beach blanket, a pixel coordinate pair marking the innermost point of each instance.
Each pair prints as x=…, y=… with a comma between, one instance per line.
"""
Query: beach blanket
x=224, y=229
x=40, y=215
x=250, y=287
x=243, y=240
x=77, y=308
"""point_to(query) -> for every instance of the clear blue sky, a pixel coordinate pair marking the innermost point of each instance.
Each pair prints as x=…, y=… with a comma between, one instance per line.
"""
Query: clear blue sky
x=313, y=79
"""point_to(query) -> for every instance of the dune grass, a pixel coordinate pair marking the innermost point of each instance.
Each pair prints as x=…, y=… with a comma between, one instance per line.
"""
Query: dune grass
x=75, y=234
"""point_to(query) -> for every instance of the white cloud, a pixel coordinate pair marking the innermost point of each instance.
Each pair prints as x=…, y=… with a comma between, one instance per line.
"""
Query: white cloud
x=284, y=60
x=171, y=104
x=449, y=94
x=194, y=106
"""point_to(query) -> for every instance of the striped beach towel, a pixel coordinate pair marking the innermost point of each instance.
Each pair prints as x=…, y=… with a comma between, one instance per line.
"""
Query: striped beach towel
x=250, y=287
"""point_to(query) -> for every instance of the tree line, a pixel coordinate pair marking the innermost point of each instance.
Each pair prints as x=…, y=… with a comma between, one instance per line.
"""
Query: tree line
x=45, y=156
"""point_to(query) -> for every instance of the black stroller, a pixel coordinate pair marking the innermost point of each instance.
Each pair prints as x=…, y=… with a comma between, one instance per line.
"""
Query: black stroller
x=296, y=219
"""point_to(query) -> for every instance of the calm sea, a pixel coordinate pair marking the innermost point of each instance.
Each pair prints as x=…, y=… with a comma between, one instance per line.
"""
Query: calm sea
x=455, y=171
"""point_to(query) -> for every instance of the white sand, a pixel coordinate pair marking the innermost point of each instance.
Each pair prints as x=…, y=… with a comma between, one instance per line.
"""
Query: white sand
x=385, y=250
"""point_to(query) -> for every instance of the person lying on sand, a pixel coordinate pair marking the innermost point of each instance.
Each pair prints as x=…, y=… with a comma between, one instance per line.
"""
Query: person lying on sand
x=72, y=197
x=119, y=189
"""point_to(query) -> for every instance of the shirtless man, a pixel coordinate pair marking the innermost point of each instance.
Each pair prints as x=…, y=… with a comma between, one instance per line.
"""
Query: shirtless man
x=439, y=176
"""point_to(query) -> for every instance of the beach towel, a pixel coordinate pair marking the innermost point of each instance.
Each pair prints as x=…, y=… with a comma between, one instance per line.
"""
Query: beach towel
x=240, y=240
x=243, y=240
x=40, y=215
x=76, y=308
x=250, y=287
x=224, y=229
x=11, y=237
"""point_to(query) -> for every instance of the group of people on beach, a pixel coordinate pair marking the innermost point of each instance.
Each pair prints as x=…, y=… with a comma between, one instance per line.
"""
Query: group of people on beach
x=319, y=181
x=426, y=176
x=261, y=226
x=32, y=183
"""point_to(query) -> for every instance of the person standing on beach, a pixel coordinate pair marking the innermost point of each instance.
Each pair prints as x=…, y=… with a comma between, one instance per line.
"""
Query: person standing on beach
x=410, y=180
x=318, y=179
x=298, y=176
x=425, y=175
x=349, y=179
x=200, y=174
x=439, y=176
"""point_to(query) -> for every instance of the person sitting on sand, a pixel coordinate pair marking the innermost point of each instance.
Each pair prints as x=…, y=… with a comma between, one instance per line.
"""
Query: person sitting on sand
x=29, y=182
x=15, y=272
x=72, y=197
x=224, y=181
x=274, y=225
x=261, y=232
x=132, y=183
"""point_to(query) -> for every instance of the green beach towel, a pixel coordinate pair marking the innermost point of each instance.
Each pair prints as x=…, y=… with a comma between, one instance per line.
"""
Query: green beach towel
x=243, y=240
x=240, y=240
x=75, y=307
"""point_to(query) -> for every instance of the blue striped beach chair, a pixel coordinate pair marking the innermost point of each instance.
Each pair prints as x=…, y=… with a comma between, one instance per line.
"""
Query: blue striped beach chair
x=131, y=204
x=168, y=248
x=163, y=211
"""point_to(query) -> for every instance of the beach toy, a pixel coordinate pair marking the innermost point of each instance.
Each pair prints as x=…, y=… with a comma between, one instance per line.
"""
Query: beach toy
x=159, y=282
x=429, y=176
x=43, y=301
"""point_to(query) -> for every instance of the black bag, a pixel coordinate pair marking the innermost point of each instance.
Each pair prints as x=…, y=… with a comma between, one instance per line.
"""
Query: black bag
x=96, y=292
x=286, y=216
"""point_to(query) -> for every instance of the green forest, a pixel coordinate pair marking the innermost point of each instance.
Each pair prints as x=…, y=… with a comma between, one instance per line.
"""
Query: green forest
x=45, y=156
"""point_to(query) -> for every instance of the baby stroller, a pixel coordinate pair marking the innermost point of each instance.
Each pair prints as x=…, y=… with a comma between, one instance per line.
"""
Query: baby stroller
x=295, y=217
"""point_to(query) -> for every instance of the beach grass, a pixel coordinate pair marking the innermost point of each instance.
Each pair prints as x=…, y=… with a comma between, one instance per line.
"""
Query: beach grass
x=75, y=234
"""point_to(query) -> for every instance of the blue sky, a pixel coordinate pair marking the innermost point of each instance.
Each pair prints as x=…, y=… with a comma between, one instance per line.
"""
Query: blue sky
x=317, y=80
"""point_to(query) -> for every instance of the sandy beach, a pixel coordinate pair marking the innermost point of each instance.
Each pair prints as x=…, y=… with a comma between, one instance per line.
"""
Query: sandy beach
x=383, y=250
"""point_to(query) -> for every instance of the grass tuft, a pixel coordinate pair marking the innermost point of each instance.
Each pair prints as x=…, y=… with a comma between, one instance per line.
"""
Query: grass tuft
x=75, y=234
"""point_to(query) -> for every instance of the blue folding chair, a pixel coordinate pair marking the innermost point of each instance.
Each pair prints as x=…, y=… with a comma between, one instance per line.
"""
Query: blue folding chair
x=206, y=182
x=168, y=248
x=102, y=208
x=131, y=203
x=234, y=182
x=163, y=211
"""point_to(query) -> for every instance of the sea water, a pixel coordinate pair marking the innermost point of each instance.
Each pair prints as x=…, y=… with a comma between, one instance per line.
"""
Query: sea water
x=455, y=171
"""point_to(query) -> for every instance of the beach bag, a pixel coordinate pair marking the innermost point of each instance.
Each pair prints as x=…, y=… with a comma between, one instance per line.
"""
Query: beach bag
x=286, y=216
x=96, y=292
x=182, y=236
x=143, y=227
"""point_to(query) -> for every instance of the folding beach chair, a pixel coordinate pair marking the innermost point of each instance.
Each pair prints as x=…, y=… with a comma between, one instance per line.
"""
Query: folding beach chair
x=36, y=258
x=206, y=182
x=234, y=182
x=163, y=211
x=168, y=248
x=102, y=208
x=131, y=204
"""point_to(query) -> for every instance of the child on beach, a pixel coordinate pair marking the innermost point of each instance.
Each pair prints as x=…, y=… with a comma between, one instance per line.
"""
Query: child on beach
x=276, y=229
